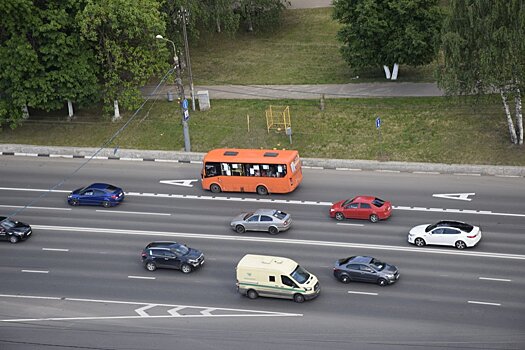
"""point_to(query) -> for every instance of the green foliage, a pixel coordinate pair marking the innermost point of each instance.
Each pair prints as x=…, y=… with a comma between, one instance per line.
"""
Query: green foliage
x=376, y=32
x=483, y=46
x=262, y=15
x=122, y=35
x=44, y=63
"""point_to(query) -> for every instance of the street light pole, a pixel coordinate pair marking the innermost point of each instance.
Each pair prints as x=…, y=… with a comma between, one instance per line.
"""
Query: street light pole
x=187, y=52
x=180, y=88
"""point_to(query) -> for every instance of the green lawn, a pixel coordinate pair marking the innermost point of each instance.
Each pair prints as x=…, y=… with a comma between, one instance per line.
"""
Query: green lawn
x=413, y=129
x=304, y=50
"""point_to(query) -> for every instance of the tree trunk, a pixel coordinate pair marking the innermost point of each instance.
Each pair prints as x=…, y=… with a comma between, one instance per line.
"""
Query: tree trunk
x=395, y=71
x=25, y=112
x=70, y=109
x=519, y=116
x=512, y=130
x=117, y=112
x=387, y=72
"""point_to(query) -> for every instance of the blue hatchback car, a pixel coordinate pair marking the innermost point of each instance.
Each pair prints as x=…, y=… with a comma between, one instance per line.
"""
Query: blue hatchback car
x=96, y=194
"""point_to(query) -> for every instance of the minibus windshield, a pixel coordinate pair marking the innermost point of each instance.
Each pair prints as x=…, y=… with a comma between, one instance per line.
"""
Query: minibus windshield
x=300, y=275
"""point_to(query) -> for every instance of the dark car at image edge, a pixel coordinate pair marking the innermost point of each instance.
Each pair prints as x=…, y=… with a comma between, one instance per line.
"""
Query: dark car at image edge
x=14, y=231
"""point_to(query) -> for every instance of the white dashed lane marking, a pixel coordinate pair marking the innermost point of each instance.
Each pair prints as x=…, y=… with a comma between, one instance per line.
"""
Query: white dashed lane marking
x=495, y=279
x=364, y=293
x=483, y=303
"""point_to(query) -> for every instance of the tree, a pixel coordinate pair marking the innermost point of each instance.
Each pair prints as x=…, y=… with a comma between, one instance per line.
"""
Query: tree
x=122, y=35
x=381, y=32
x=262, y=15
x=220, y=15
x=44, y=63
x=483, y=52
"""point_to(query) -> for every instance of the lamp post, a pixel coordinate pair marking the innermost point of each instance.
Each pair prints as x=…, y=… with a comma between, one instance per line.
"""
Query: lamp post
x=184, y=13
x=180, y=88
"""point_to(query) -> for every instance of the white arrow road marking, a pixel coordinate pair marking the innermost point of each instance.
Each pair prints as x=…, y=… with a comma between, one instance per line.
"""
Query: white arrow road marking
x=457, y=196
x=207, y=311
x=184, y=183
x=174, y=312
x=142, y=310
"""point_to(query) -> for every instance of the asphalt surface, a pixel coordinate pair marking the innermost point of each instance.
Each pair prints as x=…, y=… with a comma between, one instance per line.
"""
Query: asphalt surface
x=78, y=283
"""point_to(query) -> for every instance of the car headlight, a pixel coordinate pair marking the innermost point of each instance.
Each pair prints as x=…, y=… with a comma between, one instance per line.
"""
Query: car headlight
x=332, y=209
x=307, y=289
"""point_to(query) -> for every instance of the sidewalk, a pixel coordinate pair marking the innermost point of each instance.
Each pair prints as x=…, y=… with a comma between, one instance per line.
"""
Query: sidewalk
x=386, y=89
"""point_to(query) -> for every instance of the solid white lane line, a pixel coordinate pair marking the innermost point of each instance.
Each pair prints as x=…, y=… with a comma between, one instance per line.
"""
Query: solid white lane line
x=341, y=223
x=467, y=174
x=495, y=279
x=130, y=212
x=42, y=208
x=56, y=249
x=142, y=277
x=365, y=293
x=282, y=241
x=32, y=190
x=483, y=303
x=35, y=271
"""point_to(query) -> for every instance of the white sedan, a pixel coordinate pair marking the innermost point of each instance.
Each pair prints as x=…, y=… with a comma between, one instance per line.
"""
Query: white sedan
x=451, y=233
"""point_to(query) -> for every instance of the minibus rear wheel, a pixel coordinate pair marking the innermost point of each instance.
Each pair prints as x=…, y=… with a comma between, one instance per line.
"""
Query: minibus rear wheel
x=261, y=190
x=252, y=294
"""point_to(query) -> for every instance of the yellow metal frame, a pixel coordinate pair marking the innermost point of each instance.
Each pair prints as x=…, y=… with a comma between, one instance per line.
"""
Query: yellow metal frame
x=278, y=122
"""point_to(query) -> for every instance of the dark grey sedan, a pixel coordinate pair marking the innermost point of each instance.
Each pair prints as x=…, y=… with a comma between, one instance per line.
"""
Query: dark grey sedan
x=365, y=269
x=270, y=220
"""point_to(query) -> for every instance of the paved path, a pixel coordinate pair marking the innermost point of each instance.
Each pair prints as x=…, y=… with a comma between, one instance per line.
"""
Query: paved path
x=386, y=89
x=308, y=4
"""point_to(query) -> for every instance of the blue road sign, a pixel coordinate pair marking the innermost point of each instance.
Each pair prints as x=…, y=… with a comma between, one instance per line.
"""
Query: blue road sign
x=185, y=103
x=378, y=123
x=186, y=115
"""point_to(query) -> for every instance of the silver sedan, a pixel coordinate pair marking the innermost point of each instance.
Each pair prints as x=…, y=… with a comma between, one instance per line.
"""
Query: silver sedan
x=270, y=220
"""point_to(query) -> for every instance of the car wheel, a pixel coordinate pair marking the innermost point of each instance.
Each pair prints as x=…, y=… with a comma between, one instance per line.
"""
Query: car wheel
x=74, y=202
x=13, y=239
x=344, y=278
x=339, y=216
x=240, y=229
x=273, y=230
x=106, y=204
x=298, y=298
x=374, y=218
x=151, y=266
x=261, y=190
x=214, y=188
x=460, y=245
x=185, y=268
x=382, y=282
x=252, y=294
x=420, y=242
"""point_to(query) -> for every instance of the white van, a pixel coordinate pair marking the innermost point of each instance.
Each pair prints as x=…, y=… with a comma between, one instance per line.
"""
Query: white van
x=272, y=276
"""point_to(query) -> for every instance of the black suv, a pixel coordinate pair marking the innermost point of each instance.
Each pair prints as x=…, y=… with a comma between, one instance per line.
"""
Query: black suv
x=171, y=255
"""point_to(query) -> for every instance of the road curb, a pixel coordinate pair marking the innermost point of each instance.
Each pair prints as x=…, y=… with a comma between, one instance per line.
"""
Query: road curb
x=308, y=163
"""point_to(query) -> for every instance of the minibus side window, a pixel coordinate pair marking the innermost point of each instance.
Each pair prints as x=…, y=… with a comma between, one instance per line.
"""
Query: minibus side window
x=288, y=282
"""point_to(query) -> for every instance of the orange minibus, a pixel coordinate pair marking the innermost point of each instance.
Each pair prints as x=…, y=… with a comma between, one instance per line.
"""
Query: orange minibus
x=251, y=170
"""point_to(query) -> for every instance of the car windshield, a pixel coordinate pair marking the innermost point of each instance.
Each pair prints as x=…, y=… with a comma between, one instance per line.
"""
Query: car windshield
x=344, y=260
x=247, y=216
x=348, y=201
x=378, y=265
x=111, y=188
x=8, y=223
x=279, y=214
x=180, y=249
x=300, y=275
x=378, y=202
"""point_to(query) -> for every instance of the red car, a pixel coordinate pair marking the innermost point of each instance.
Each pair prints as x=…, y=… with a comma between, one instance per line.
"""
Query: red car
x=361, y=207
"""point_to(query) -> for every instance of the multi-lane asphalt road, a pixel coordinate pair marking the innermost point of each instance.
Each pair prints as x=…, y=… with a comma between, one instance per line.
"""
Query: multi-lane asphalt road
x=78, y=282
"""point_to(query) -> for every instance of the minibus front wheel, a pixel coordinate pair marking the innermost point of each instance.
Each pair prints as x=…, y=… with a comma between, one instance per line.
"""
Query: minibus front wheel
x=215, y=188
x=298, y=298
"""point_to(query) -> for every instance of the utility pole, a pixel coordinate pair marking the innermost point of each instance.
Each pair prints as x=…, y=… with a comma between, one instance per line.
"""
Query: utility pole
x=182, y=98
x=185, y=13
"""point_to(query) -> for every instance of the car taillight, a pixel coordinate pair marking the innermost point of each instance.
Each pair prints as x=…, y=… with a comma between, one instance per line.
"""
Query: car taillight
x=473, y=236
x=114, y=196
x=143, y=255
x=286, y=222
